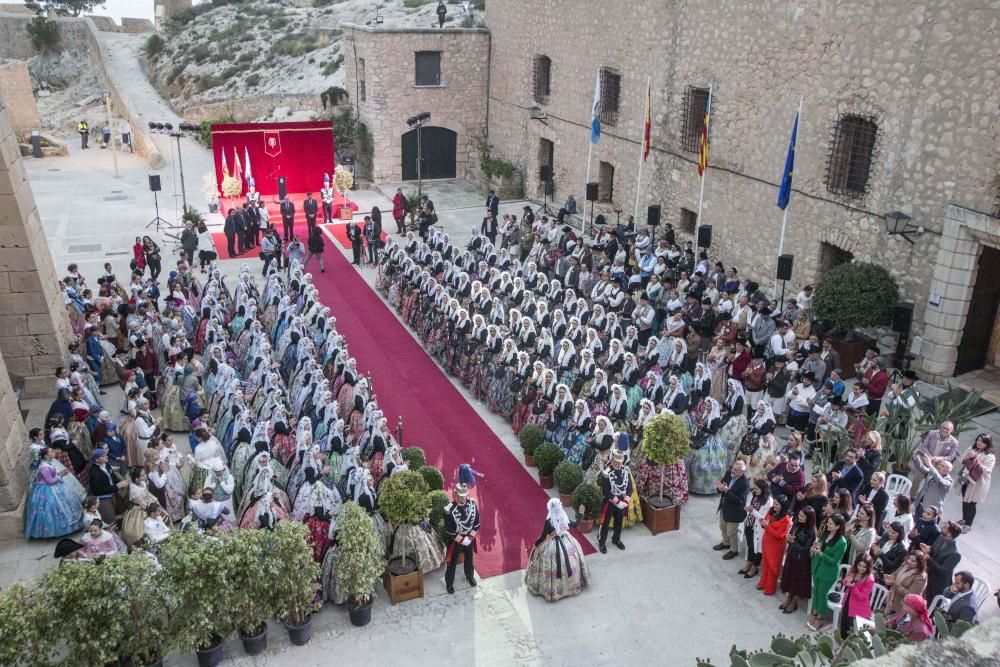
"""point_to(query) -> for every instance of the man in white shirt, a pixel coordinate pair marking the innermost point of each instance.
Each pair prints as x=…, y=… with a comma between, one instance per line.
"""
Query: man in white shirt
x=804, y=299
x=798, y=407
x=778, y=347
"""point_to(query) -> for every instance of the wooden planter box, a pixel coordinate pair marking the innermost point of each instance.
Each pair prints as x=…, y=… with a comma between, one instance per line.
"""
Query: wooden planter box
x=851, y=352
x=403, y=587
x=660, y=519
x=545, y=481
x=345, y=212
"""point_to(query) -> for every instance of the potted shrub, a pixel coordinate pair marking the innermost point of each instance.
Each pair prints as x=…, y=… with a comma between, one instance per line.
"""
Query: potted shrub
x=414, y=457
x=433, y=477
x=590, y=497
x=531, y=437
x=547, y=456
x=437, y=501
x=361, y=562
x=665, y=442
x=404, y=502
x=256, y=602
x=567, y=476
x=23, y=626
x=852, y=296
x=293, y=587
x=200, y=603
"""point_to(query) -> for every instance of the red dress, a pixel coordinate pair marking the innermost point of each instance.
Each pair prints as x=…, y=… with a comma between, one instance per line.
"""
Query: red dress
x=773, y=549
x=319, y=537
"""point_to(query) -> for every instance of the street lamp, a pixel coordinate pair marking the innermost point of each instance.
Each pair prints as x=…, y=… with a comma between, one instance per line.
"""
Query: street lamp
x=183, y=130
x=897, y=223
x=106, y=98
x=418, y=122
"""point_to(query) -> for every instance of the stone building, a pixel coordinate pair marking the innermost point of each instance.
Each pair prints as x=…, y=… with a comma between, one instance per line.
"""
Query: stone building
x=34, y=330
x=901, y=112
x=394, y=74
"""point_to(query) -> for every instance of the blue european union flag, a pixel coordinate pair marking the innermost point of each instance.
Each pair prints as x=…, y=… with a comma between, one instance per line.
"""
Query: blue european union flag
x=785, y=192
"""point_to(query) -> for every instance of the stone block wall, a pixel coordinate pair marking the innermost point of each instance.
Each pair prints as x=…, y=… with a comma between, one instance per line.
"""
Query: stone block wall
x=458, y=104
x=34, y=330
x=249, y=109
x=13, y=457
x=15, y=90
x=925, y=79
x=164, y=9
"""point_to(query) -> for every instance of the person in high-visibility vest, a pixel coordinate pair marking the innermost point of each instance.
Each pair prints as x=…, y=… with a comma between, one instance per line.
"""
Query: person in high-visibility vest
x=84, y=131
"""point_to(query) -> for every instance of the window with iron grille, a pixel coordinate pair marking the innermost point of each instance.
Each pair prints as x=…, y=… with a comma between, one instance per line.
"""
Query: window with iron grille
x=542, y=81
x=605, y=183
x=428, y=66
x=851, y=155
x=362, y=94
x=611, y=87
x=689, y=220
x=695, y=105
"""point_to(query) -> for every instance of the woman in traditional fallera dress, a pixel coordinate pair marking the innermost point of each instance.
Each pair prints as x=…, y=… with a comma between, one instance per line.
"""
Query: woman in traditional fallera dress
x=556, y=566
x=576, y=442
x=52, y=509
x=735, y=420
x=559, y=416
x=140, y=498
x=707, y=464
x=499, y=396
x=100, y=542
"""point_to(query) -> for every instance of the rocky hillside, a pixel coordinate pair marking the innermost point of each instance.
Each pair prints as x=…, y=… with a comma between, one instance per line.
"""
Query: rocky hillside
x=230, y=49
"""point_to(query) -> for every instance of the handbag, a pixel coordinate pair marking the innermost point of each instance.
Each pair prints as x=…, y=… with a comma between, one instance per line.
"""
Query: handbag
x=834, y=597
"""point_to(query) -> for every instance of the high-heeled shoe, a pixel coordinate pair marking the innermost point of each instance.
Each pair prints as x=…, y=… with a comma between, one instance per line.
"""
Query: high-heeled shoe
x=743, y=571
x=792, y=609
x=781, y=606
x=749, y=575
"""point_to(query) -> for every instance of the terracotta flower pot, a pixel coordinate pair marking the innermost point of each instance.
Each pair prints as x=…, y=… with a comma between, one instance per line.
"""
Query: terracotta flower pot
x=585, y=525
x=529, y=460
x=566, y=499
x=546, y=481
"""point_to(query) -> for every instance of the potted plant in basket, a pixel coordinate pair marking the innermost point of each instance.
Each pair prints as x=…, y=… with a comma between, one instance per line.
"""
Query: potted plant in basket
x=851, y=296
x=567, y=476
x=665, y=442
x=361, y=562
x=588, y=496
x=547, y=456
x=251, y=570
x=531, y=437
x=293, y=588
x=200, y=604
x=404, y=502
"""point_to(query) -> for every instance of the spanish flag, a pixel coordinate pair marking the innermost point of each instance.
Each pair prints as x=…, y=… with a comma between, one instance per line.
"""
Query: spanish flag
x=703, y=147
x=648, y=125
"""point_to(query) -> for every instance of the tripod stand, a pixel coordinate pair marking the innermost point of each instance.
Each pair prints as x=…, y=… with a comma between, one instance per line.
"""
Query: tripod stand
x=548, y=186
x=157, y=220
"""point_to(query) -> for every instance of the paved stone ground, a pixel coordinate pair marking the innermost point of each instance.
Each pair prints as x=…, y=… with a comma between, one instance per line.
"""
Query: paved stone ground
x=665, y=600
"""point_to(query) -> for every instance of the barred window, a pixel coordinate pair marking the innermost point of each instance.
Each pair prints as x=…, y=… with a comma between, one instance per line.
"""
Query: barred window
x=541, y=79
x=428, y=66
x=695, y=105
x=611, y=87
x=605, y=183
x=689, y=220
x=851, y=155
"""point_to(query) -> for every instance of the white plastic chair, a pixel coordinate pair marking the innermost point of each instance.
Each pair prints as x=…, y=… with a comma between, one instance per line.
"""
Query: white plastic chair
x=981, y=591
x=897, y=484
x=879, y=597
x=838, y=587
x=939, y=602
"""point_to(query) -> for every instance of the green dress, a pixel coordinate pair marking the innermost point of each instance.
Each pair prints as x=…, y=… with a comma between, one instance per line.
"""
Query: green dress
x=825, y=571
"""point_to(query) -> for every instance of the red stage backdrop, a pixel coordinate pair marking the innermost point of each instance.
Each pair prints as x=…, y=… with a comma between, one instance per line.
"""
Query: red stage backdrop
x=301, y=152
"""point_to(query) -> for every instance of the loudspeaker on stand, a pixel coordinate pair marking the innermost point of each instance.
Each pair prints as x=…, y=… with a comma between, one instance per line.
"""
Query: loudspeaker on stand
x=653, y=215
x=705, y=236
x=154, y=182
x=592, y=191
x=784, y=267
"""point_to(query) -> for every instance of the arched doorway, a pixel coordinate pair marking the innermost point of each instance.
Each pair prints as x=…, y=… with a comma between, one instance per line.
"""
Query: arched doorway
x=438, y=148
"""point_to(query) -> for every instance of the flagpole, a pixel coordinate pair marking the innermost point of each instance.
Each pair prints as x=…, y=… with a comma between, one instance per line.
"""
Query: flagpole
x=701, y=195
x=642, y=151
x=784, y=217
x=590, y=156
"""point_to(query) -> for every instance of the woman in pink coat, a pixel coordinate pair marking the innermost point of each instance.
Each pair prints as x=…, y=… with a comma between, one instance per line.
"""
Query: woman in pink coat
x=858, y=584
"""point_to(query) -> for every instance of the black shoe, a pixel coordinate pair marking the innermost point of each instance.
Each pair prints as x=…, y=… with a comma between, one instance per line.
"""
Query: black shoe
x=618, y=544
x=720, y=547
x=472, y=582
x=730, y=555
x=103, y=393
x=451, y=590
x=603, y=549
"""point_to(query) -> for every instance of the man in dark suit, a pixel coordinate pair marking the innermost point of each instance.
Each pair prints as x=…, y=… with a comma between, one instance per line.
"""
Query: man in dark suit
x=356, y=237
x=287, y=218
x=942, y=557
x=241, y=231
x=229, y=229
x=489, y=226
x=734, y=488
x=493, y=204
x=847, y=475
x=963, y=605
x=311, y=209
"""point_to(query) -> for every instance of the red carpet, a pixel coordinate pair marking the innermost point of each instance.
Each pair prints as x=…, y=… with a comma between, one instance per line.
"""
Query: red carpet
x=437, y=417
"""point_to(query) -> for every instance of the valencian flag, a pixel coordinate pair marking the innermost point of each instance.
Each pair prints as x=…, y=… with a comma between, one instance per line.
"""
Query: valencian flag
x=703, y=144
x=785, y=192
x=246, y=160
x=647, y=126
x=237, y=168
x=225, y=167
x=595, y=123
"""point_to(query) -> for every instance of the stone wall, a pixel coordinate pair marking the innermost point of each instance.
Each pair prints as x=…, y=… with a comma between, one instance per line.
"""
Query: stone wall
x=249, y=109
x=34, y=331
x=13, y=458
x=107, y=24
x=15, y=90
x=164, y=9
x=927, y=79
x=14, y=41
x=458, y=104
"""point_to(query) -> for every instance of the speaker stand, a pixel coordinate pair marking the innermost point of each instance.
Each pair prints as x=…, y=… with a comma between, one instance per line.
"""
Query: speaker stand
x=157, y=221
x=545, y=208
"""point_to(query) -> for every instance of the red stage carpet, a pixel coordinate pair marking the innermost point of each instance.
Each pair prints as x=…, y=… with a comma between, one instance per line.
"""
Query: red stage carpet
x=437, y=417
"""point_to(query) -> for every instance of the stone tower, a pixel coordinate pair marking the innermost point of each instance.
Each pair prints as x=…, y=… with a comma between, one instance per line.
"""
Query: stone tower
x=163, y=9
